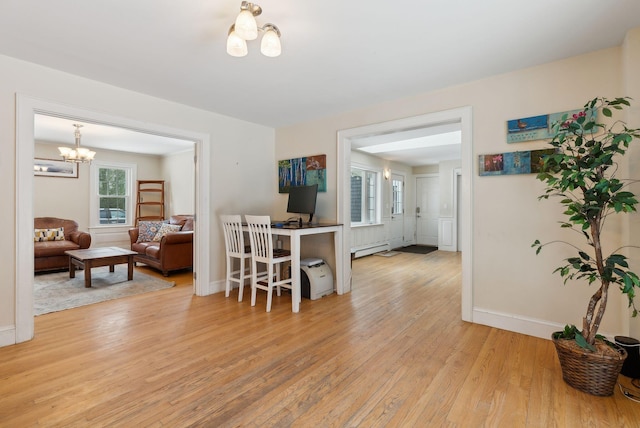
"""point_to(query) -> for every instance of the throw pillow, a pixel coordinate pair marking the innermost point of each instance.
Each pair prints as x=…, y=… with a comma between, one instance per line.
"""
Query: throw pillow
x=42, y=235
x=166, y=228
x=148, y=230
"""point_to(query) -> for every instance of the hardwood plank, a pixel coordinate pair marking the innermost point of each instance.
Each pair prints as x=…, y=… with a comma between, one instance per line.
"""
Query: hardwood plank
x=393, y=352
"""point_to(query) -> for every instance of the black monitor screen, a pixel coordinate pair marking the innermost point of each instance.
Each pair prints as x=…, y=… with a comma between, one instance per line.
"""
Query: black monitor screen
x=302, y=200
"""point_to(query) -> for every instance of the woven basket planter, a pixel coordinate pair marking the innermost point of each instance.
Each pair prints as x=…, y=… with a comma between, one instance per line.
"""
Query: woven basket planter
x=590, y=372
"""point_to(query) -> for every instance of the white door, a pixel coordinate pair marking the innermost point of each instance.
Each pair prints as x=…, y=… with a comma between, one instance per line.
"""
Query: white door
x=427, y=210
x=396, y=238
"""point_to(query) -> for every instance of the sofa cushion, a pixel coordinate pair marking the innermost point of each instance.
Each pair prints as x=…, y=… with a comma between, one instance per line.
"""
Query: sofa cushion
x=41, y=235
x=141, y=247
x=53, y=248
x=148, y=230
x=164, y=229
x=185, y=220
x=53, y=223
x=153, y=251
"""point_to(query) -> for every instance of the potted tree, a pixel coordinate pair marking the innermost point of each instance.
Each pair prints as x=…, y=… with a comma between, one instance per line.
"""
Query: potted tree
x=582, y=172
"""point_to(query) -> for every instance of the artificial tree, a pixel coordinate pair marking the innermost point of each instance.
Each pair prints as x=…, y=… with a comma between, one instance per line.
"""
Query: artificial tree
x=582, y=172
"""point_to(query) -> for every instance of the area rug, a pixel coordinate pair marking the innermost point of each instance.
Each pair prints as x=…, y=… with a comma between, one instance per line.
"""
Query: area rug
x=387, y=253
x=417, y=249
x=56, y=291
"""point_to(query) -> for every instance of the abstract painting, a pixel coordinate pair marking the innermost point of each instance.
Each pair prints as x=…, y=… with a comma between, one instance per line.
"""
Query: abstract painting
x=302, y=172
x=510, y=163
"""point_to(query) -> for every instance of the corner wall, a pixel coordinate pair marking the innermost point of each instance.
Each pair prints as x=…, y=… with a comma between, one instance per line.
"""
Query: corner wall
x=512, y=288
x=239, y=151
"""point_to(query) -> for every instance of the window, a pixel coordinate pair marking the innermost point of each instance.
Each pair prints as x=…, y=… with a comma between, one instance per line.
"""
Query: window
x=397, y=187
x=112, y=202
x=364, y=196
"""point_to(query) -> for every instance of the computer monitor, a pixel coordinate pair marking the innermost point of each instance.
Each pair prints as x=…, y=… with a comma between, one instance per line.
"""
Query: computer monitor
x=302, y=200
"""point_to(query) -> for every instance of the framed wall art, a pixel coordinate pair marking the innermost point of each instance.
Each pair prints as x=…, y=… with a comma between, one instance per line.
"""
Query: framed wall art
x=54, y=168
x=526, y=162
x=302, y=172
x=534, y=127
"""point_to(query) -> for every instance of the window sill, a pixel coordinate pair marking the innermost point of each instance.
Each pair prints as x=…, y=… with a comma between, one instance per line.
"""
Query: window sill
x=354, y=226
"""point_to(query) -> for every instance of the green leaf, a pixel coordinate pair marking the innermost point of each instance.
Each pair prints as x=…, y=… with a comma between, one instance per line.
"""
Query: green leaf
x=584, y=255
x=582, y=342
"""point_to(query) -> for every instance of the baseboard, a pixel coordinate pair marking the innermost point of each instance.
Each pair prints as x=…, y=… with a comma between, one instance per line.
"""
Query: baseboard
x=7, y=335
x=524, y=325
x=367, y=251
x=214, y=287
x=516, y=323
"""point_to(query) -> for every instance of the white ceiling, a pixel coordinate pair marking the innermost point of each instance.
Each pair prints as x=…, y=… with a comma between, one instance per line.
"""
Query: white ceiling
x=414, y=147
x=337, y=55
x=59, y=131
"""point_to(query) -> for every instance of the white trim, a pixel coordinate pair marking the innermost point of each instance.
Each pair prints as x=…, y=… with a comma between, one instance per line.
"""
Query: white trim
x=132, y=175
x=464, y=116
x=26, y=107
x=517, y=323
x=457, y=175
x=7, y=336
x=379, y=172
x=369, y=249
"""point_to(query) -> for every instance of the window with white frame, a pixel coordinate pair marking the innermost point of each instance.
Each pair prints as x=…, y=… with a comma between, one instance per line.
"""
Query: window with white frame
x=364, y=196
x=397, y=190
x=113, y=187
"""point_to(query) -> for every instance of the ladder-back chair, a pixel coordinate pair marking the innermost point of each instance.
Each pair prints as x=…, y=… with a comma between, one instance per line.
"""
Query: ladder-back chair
x=235, y=249
x=262, y=252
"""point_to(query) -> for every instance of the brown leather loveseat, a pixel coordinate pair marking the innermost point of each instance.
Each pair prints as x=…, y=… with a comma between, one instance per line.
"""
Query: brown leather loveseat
x=166, y=246
x=52, y=237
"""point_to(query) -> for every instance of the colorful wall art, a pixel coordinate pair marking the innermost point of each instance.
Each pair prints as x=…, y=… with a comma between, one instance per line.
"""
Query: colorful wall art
x=302, y=172
x=510, y=163
x=534, y=127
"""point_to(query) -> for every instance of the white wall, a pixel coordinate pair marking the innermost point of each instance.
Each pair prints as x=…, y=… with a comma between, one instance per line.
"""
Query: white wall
x=70, y=197
x=631, y=88
x=179, y=175
x=239, y=152
x=512, y=288
x=446, y=172
x=369, y=239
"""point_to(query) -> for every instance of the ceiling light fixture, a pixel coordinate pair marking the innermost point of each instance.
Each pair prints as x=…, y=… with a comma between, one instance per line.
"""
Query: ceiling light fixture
x=77, y=154
x=246, y=28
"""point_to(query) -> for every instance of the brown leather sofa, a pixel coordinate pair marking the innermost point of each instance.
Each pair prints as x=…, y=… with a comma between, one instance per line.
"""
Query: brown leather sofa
x=49, y=255
x=173, y=252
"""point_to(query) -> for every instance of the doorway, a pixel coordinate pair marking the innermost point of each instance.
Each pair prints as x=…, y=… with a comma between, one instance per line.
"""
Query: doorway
x=427, y=210
x=396, y=226
x=461, y=116
x=27, y=108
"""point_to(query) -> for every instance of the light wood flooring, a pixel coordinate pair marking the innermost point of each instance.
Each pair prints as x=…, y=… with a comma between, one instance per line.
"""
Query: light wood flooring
x=393, y=353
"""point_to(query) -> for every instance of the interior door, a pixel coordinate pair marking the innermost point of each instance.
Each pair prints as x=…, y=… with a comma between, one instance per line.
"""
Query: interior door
x=427, y=210
x=396, y=238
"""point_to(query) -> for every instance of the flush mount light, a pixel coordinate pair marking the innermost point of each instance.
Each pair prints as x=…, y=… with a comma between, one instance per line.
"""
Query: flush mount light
x=246, y=28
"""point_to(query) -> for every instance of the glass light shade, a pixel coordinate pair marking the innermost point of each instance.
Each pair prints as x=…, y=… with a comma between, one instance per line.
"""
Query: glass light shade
x=246, y=26
x=270, y=45
x=235, y=45
x=76, y=155
x=65, y=151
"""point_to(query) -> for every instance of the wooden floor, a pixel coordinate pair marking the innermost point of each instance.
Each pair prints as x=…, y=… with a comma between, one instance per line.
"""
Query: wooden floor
x=393, y=353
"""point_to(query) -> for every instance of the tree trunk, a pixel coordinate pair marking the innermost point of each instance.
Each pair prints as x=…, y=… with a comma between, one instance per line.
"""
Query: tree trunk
x=591, y=324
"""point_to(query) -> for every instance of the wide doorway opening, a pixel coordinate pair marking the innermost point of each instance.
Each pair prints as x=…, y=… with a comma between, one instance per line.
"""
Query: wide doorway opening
x=27, y=108
x=462, y=118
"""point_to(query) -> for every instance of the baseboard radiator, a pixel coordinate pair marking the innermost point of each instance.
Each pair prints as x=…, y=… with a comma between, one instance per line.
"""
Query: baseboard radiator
x=368, y=250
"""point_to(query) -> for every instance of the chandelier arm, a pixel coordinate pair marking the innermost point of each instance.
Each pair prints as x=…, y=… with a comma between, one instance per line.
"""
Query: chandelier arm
x=268, y=26
x=251, y=7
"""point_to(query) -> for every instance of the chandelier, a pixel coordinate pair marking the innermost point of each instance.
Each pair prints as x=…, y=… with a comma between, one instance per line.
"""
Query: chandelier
x=77, y=154
x=246, y=28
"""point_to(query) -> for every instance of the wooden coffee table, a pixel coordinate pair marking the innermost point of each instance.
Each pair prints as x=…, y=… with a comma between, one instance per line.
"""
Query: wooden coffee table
x=96, y=257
